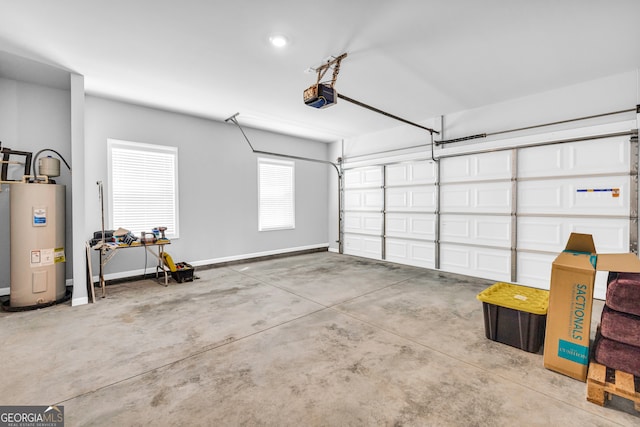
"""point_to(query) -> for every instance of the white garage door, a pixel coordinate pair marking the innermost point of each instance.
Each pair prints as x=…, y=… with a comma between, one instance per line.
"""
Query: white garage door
x=475, y=222
x=410, y=213
x=502, y=215
x=582, y=187
x=363, y=221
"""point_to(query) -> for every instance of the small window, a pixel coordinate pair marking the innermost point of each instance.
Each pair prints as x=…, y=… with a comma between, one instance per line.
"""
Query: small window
x=143, y=187
x=276, y=202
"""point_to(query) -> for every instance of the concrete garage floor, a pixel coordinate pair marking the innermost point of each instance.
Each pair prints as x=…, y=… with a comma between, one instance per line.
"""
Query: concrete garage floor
x=311, y=340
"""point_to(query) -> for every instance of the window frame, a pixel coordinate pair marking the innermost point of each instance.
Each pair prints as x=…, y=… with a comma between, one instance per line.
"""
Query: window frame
x=147, y=150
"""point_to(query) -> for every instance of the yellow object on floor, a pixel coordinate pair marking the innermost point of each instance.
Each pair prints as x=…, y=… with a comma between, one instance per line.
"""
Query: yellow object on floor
x=516, y=297
x=168, y=261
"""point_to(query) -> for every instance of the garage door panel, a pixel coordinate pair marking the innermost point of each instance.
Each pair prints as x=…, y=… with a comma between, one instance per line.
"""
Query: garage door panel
x=455, y=258
x=420, y=254
x=539, y=197
x=486, y=166
x=544, y=234
x=454, y=228
x=397, y=199
x=455, y=169
x=610, y=235
x=417, y=226
x=540, y=162
x=364, y=246
x=577, y=196
x=397, y=225
x=534, y=269
x=363, y=199
x=363, y=222
x=493, y=165
x=411, y=198
x=480, y=262
x=485, y=230
x=455, y=199
x=493, y=197
x=494, y=263
x=422, y=172
x=363, y=177
x=495, y=231
x=353, y=199
x=609, y=155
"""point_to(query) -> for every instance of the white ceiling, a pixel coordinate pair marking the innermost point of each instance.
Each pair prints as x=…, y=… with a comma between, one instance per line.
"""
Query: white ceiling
x=416, y=59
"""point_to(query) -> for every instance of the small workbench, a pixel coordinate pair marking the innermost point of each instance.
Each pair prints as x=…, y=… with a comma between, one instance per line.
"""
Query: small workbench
x=108, y=251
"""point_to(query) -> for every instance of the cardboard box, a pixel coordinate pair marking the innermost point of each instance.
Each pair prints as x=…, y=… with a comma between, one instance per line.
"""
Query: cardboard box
x=566, y=344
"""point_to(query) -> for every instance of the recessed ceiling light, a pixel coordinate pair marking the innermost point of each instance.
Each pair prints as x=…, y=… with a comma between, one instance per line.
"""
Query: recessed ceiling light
x=279, y=40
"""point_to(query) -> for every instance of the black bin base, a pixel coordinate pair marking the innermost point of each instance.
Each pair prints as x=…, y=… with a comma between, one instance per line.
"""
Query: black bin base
x=514, y=327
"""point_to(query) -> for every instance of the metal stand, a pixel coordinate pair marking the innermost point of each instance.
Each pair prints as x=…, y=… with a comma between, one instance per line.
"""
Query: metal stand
x=108, y=251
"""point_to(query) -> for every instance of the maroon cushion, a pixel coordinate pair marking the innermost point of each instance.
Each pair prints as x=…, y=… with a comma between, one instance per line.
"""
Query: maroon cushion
x=623, y=292
x=617, y=355
x=621, y=327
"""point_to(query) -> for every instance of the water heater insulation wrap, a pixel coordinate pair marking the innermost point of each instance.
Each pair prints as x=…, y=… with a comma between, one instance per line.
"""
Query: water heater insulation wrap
x=37, y=244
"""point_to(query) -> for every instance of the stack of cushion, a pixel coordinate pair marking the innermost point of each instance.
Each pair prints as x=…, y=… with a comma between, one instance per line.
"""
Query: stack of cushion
x=617, y=344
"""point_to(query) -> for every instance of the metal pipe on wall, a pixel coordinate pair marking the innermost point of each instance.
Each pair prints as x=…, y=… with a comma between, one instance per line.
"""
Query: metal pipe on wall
x=338, y=168
x=483, y=135
x=631, y=132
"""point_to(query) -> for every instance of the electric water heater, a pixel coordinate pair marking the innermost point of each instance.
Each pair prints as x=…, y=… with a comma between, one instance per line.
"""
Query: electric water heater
x=37, y=244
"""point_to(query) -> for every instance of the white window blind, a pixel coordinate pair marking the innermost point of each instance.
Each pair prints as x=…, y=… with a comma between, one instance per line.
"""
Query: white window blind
x=143, y=187
x=276, y=194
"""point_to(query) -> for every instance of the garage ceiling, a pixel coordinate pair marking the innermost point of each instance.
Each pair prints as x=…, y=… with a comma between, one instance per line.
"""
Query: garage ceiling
x=415, y=59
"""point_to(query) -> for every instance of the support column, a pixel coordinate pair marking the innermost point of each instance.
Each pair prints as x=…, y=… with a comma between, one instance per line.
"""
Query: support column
x=79, y=232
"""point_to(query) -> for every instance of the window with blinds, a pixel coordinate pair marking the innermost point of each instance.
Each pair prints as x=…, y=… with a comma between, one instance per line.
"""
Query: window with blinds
x=143, y=187
x=276, y=201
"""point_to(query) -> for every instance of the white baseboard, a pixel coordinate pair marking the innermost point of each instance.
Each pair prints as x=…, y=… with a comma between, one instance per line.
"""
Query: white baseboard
x=334, y=250
x=140, y=272
x=257, y=255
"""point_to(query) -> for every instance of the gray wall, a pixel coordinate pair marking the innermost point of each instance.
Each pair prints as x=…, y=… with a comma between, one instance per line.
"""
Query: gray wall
x=217, y=174
x=33, y=117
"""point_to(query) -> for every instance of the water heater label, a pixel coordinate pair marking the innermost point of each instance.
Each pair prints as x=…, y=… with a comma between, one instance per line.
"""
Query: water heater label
x=44, y=257
x=35, y=257
x=58, y=255
x=39, y=217
x=47, y=256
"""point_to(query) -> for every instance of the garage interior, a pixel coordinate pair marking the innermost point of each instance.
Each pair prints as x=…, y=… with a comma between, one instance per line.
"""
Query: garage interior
x=455, y=145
